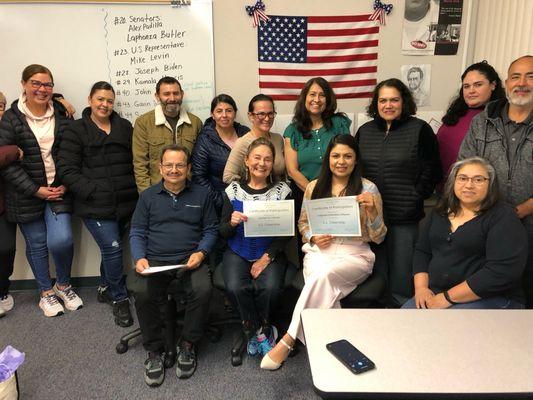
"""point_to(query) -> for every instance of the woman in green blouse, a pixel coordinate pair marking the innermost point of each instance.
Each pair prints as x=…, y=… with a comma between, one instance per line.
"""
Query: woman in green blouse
x=314, y=123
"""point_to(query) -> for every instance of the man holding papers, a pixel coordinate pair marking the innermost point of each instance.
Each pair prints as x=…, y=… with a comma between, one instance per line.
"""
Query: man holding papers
x=174, y=223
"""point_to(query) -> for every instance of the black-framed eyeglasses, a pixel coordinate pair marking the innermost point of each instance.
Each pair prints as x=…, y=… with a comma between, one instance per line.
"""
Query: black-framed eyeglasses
x=477, y=180
x=262, y=115
x=37, y=84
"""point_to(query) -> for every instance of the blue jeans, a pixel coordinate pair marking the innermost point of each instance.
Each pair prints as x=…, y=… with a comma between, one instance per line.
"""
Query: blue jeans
x=491, y=303
x=394, y=260
x=51, y=232
x=108, y=236
x=254, y=298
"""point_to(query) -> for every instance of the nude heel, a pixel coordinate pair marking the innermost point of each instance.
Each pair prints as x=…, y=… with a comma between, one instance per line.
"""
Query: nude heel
x=271, y=365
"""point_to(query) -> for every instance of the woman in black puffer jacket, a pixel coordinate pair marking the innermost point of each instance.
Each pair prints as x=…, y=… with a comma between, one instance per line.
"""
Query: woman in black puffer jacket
x=35, y=198
x=95, y=161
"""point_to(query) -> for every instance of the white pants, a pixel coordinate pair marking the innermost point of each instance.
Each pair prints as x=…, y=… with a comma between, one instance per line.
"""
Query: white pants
x=330, y=275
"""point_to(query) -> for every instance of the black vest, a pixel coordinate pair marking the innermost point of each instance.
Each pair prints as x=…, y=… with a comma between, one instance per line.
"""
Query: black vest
x=391, y=161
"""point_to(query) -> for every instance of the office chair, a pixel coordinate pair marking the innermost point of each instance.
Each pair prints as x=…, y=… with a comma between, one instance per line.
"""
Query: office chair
x=173, y=312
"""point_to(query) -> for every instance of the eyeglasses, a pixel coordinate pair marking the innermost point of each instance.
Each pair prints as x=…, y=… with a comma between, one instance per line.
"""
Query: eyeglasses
x=38, y=84
x=262, y=115
x=170, y=166
x=477, y=180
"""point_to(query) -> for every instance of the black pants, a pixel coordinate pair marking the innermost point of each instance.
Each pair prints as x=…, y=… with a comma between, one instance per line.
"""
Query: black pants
x=254, y=298
x=151, y=303
x=298, y=197
x=8, y=231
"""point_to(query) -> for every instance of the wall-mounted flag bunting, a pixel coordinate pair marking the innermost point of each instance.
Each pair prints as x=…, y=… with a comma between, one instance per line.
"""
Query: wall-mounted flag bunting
x=342, y=49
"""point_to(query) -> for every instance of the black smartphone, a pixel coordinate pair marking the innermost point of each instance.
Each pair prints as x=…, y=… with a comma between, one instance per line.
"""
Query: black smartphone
x=352, y=358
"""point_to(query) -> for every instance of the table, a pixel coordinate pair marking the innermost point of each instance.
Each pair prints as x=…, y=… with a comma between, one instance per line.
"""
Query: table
x=419, y=354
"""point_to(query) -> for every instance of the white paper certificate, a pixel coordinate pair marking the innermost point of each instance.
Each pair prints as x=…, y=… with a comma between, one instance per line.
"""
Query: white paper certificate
x=337, y=216
x=269, y=218
x=155, y=270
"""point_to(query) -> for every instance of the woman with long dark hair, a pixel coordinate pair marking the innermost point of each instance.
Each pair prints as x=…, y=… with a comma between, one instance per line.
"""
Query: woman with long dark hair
x=480, y=84
x=315, y=121
x=95, y=161
x=399, y=153
x=472, y=249
x=334, y=266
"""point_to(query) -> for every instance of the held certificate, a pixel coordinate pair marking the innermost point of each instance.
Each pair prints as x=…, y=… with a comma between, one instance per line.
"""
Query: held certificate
x=337, y=216
x=269, y=218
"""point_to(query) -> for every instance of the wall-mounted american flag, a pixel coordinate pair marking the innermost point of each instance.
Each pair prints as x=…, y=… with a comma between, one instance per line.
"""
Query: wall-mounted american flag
x=342, y=49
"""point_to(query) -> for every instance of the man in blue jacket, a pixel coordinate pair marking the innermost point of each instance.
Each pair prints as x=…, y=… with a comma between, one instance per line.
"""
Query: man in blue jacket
x=174, y=223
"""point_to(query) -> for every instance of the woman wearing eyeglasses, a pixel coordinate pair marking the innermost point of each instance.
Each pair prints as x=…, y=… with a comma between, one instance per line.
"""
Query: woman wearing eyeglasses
x=261, y=113
x=472, y=249
x=36, y=199
x=95, y=161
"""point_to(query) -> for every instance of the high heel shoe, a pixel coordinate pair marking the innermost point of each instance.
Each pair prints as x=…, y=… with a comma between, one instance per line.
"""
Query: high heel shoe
x=268, y=363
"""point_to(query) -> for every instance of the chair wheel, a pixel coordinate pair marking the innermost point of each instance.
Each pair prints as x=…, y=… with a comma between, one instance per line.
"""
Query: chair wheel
x=236, y=360
x=121, y=348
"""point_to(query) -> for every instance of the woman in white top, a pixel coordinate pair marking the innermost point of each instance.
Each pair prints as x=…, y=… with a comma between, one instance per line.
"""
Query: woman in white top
x=334, y=266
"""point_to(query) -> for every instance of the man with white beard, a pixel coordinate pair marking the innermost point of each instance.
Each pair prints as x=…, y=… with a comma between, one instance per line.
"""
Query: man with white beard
x=503, y=134
x=168, y=123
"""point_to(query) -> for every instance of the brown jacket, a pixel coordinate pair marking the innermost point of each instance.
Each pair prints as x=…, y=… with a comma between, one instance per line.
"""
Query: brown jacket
x=150, y=133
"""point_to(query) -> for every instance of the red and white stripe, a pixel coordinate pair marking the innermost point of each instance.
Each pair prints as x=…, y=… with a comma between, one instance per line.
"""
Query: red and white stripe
x=341, y=49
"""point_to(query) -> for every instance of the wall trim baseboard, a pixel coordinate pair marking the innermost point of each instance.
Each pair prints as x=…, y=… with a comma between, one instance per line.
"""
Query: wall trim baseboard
x=31, y=284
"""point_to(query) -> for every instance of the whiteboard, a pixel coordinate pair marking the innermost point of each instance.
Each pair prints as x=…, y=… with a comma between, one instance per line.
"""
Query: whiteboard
x=130, y=45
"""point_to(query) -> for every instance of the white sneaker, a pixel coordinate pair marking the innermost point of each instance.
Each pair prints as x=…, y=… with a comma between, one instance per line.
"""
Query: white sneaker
x=7, y=302
x=51, y=306
x=70, y=299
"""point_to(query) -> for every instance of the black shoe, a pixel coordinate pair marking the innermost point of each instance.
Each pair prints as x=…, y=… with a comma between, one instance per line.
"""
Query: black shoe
x=154, y=371
x=186, y=360
x=103, y=295
x=122, y=313
x=169, y=359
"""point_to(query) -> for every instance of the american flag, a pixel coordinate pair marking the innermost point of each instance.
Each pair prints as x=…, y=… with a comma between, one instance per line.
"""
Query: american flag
x=341, y=49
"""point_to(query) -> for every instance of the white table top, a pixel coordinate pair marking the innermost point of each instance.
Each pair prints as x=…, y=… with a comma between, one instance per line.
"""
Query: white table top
x=452, y=352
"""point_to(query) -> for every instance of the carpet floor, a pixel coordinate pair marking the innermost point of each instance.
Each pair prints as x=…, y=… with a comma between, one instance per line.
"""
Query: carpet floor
x=73, y=357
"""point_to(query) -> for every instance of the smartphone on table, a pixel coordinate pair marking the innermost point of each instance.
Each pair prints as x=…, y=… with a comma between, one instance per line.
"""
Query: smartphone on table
x=350, y=356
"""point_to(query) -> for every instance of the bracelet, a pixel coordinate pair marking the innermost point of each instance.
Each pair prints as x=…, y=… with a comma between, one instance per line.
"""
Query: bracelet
x=447, y=297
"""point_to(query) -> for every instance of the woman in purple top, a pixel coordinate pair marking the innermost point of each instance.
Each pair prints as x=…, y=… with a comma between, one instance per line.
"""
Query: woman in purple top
x=480, y=84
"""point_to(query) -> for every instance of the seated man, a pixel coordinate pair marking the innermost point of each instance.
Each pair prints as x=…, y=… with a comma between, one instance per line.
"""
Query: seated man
x=174, y=223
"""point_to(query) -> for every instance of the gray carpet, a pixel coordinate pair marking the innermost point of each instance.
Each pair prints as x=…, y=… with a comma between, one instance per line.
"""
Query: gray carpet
x=73, y=357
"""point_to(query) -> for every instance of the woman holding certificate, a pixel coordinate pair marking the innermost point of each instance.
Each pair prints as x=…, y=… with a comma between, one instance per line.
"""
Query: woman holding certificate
x=472, y=249
x=254, y=267
x=334, y=265
x=400, y=154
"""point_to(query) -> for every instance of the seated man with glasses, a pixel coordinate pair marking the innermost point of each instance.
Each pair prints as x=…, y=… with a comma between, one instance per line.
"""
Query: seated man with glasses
x=174, y=223
x=472, y=249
